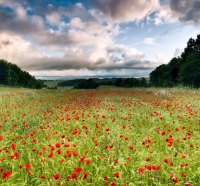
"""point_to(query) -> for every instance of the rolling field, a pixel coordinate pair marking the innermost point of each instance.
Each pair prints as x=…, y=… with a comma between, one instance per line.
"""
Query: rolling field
x=133, y=137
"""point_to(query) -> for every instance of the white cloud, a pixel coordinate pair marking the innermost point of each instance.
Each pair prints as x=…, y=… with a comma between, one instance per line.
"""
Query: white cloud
x=19, y=50
x=149, y=41
x=54, y=18
x=163, y=15
x=163, y=58
x=178, y=52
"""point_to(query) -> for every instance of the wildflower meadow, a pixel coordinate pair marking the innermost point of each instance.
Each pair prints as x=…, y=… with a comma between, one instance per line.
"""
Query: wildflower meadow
x=125, y=137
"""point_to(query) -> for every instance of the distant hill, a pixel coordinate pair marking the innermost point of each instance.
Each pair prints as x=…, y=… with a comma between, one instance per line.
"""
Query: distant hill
x=12, y=75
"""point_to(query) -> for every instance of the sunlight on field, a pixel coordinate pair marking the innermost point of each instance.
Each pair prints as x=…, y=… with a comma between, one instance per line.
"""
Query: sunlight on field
x=99, y=137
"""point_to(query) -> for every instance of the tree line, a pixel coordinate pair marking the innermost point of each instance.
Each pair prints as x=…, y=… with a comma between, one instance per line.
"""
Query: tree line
x=12, y=75
x=184, y=70
x=93, y=83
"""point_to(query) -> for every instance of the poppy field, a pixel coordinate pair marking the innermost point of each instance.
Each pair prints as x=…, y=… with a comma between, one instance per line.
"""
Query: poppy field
x=125, y=137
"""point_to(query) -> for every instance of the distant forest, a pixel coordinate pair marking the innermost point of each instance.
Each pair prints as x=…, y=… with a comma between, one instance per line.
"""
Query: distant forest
x=96, y=82
x=12, y=75
x=183, y=70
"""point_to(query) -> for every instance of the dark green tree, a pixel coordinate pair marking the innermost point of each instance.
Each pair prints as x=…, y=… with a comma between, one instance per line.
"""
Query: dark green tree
x=12, y=75
x=190, y=70
x=119, y=82
x=158, y=76
x=4, y=72
x=172, y=72
x=143, y=82
x=87, y=84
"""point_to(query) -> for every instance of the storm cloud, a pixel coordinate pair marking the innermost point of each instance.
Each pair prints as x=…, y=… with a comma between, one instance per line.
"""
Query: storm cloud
x=4, y=44
x=125, y=10
x=62, y=64
x=187, y=10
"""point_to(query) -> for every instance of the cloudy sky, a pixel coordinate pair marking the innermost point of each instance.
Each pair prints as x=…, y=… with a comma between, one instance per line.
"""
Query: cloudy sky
x=95, y=37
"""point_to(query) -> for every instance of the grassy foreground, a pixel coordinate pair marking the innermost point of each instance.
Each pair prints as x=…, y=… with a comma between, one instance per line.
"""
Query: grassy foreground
x=99, y=137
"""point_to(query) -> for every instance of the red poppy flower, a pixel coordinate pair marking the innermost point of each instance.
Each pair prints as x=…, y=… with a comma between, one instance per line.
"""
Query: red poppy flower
x=155, y=167
x=56, y=176
x=85, y=175
x=148, y=167
x=69, y=154
x=147, y=159
x=42, y=176
x=183, y=156
x=13, y=146
x=166, y=160
x=82, y=158
x=140, y=171
x=50, y=155
x=16, y=154
x=29, y=172
x=75, y=153
x=187, y=184
x=175, y=180
x=28, y=165
x=77, y=170
x=1, y=138
x=74, y=176
x=113, y=184
x=6, y=174
x=68, y=177
x=116, y=174
x=58, y=145
x=2, y=159
x=87, y=162
x=163, y=133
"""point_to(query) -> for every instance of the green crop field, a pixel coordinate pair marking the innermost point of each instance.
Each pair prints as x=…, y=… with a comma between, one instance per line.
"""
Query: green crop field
x=99, y=137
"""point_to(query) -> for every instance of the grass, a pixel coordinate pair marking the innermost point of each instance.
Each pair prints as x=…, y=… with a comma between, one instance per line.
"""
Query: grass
x=51, y=83
x=99, y=137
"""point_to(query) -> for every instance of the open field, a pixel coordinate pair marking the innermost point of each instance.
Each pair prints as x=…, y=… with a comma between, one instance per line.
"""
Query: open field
x=51, y=83
x=99, y=137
